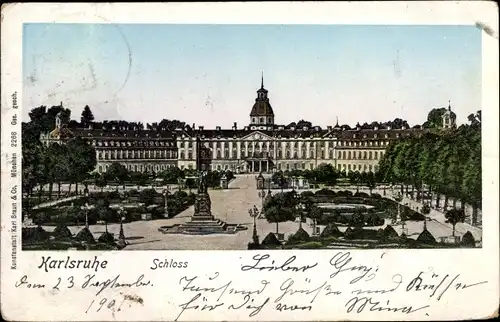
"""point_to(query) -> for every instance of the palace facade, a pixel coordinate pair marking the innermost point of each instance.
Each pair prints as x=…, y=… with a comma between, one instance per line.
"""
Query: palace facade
x=260, y=146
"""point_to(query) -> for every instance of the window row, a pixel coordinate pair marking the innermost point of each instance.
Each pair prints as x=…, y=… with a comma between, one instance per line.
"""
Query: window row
x=359, y=155
x=357, y=167
x=133, y=143
x=136, y=154
x=139, y=167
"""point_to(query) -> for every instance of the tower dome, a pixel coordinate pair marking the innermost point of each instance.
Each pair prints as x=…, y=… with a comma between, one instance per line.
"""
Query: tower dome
x=262, y=113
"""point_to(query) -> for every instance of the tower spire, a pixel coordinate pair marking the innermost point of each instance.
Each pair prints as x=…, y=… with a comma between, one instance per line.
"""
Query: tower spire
x=337, y=121
x=449, y=105
x=262, y=80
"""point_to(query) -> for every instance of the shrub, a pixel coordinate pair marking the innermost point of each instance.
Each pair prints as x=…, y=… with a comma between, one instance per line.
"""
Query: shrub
x=389, y=233
x=254, y=246
x=271, y=240
x=359, y=233
x=426, y=209
x=468, y=240
x=426, y=237
x=348, y=233
x=85, y=236
x=300, y=236
x=36, y=234
x=41, y=218
x=331, y=230
x=345, y=193
x=376, y=196
x=310, y=245
x=362, y=195
x=62, y=232
x=107, y=238
x=325, y=192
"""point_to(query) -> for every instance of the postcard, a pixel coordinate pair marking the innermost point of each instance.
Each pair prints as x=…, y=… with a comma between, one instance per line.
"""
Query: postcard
x=274, y=161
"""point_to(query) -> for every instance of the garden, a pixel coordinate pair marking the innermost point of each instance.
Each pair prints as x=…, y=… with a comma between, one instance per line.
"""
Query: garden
x=357, y=214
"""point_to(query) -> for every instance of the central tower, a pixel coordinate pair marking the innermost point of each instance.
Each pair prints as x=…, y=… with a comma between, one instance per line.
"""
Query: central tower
x=262, y=115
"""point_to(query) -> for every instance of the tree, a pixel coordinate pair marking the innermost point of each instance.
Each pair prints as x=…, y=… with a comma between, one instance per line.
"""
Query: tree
x=101, y=181
x=454, y=216
x=117, y=172
x=103, y=210
x=314, y=213
x=357, y=219
x=435, y=118
x=87, y=116
x=277, y=210
x=147, y=196
x=190, y=184
x=82, y=159
x=369, y=180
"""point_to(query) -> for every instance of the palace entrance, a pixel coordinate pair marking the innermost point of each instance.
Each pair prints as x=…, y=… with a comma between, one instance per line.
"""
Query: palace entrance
x=259, y=163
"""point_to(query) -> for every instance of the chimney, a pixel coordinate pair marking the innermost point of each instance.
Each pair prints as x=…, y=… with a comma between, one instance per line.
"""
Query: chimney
x=235, y=126
x=194, y=126
x=200, y=128
x=217, y=128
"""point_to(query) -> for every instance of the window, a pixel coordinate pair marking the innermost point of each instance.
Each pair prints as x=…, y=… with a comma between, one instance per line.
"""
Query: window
x=261, y=120
x=253, y=119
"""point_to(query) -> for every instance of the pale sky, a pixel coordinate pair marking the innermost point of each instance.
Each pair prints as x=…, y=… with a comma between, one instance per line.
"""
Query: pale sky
x=209, y=74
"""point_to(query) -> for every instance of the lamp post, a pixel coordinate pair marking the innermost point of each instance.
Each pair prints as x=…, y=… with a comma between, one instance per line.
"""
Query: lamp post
x=300, y=207
x=121, y=238
x=254, y=212
x=86, y=209
x=165, y=195
x=262, y=195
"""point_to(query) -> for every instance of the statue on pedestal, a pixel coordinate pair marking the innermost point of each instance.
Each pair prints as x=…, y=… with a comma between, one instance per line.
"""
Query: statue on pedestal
x=202, y=203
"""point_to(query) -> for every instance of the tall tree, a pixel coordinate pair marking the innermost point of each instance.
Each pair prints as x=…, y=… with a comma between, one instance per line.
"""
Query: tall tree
x=87, y=117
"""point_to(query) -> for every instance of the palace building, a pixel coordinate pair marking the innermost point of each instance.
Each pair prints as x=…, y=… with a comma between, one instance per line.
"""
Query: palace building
x=260, y=146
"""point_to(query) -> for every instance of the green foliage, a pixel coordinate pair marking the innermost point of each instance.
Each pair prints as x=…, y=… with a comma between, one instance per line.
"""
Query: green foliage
x=310, y=245
x=85, y=236
x=62, y=232
x=331, y=230
x=148, y=196
x=271, y=240
x=300, y=236
x=426, y=237
x=280, y=208
x=468, y=240
x=448, y=161
x=107, y=238
x=87, y=116
x=454, y=216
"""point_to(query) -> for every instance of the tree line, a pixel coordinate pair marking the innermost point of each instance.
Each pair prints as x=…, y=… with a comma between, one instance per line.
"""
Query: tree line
x=448, y=162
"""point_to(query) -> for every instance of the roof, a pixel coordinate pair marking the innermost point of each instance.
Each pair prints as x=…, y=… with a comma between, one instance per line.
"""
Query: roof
x=62, y=132
x=128, y=134
x=262, y=107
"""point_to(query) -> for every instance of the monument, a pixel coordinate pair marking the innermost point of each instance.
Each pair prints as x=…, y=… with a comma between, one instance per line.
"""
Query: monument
x=203, y=222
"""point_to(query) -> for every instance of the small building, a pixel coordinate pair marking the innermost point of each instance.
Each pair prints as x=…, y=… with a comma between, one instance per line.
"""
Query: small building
x=260, y=181
x=223, y=182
